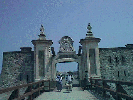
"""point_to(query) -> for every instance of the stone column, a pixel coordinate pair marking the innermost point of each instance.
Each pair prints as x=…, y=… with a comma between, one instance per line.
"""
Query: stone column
x=80, y=75
x=53, y=70
x=90, y=54
x=41, y=56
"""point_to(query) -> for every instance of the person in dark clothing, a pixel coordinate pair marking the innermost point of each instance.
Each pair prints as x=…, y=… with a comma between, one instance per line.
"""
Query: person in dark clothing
x=85, y=81
x=85, y=84
x=59, y=83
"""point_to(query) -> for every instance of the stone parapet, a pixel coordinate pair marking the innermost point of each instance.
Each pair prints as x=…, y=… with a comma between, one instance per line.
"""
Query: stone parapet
x=25, y=49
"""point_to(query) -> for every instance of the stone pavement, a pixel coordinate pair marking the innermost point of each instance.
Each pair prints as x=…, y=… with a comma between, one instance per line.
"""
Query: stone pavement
x=76, y=94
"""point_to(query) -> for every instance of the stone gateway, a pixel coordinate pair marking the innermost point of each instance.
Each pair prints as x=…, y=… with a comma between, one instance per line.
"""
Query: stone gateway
x=26, y=66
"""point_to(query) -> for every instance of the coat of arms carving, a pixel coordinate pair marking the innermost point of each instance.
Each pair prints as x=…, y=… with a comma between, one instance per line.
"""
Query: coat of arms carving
x=66, y=44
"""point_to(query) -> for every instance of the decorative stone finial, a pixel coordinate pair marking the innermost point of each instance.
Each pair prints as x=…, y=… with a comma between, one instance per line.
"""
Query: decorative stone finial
x=42, y=35
x=89, y=28
x=42, y=30
x=89, y=33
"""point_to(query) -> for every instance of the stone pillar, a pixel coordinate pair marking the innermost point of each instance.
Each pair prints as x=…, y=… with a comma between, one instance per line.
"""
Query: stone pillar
x=80, y=74
x=53, y=70
x=42, y=55
x=90, y=55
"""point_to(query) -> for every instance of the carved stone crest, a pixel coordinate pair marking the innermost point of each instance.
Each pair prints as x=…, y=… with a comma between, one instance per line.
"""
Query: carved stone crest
x=66, y=44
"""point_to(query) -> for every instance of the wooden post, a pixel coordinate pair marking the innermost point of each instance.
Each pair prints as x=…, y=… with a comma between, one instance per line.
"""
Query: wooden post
x=43, y=85
x=49, y=85
x=95, y=86
x=117, y=90
x=15, y=94
x=18, y=93
x=39, y=87
x=103, y=86
x=91, y=83
x=30, y=96
x=96, y=83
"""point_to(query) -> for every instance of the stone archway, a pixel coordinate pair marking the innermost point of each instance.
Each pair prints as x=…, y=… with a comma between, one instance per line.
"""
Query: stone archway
x=65, y=54
x=63, y=60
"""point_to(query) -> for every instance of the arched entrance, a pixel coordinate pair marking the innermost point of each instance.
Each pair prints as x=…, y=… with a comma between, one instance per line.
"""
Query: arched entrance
x=65, y=54
x=68, y=68
x=63, y=60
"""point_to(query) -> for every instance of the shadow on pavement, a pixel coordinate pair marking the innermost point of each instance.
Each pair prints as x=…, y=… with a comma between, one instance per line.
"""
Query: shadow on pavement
x=96, y=95
x=75, y=85
x=66, y=92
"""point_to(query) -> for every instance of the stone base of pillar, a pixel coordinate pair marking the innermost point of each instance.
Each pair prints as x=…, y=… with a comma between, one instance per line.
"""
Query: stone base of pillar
x=42, y=37
x=95, y=77
x=36, y=80
x=90, y=35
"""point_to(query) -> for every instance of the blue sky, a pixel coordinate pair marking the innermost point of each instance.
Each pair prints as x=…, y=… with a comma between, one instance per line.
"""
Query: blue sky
x=20, y=20
x=71, y=66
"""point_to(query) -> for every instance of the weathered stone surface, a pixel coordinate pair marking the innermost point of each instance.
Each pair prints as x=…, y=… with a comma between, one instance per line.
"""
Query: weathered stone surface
x=17, y=68
x=117, y=64
x=66, y=44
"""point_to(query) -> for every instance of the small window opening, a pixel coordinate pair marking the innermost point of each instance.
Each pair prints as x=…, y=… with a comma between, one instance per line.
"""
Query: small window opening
x=20, y=78
x=118, y=73
x=27, y=78
x=109, y=59
x=128, y=74
x=116, y=59
x=124, y=72
x=122, y=60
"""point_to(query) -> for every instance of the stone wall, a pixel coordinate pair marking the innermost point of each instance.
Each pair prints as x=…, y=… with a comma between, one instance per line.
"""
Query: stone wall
x=18, y=68
x=117, y=64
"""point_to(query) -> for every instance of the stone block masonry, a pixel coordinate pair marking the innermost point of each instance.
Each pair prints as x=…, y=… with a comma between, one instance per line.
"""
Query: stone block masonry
x=117, y=64
x=18, y=67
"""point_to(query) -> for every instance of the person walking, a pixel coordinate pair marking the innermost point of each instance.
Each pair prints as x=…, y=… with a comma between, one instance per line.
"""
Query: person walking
x=59, y=82
x=69, y=81
x=85, y=82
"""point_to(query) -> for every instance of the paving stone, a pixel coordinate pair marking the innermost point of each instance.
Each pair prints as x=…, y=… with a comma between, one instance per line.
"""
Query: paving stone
x=76, y=94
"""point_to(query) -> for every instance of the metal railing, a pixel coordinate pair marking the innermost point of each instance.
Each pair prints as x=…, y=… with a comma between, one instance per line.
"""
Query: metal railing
x=102, y=87
x=32, y=91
